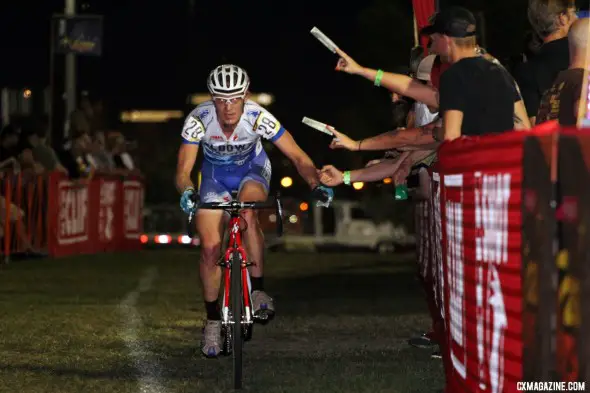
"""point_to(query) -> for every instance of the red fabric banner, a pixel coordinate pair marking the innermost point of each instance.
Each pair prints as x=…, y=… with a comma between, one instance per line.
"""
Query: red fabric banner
x=103, y=214
x=480, y=201
x=423, y=10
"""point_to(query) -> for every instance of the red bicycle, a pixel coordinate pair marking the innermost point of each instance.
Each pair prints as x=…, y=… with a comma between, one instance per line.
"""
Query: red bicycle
x=237, y=318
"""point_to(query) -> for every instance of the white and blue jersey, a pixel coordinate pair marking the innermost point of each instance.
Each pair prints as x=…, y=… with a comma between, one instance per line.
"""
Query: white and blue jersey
x=230, y=161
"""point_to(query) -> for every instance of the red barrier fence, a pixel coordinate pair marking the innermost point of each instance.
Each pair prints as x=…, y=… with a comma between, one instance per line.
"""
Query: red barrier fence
x=66, y=217
x=504, y=225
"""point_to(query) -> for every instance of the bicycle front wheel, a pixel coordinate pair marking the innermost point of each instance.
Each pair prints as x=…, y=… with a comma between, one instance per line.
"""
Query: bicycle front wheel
x=236, y=305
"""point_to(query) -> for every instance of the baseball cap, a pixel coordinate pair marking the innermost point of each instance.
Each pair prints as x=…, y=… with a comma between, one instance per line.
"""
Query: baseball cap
x=425, y=68
x=456, y=22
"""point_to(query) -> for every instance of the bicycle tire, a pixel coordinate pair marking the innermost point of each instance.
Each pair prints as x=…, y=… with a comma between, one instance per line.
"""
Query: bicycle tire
x=236, y=304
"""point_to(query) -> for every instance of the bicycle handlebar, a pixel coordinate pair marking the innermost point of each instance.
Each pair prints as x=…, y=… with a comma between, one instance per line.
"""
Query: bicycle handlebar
x=235, y=206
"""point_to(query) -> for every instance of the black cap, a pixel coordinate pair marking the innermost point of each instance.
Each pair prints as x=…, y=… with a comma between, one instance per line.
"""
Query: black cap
x=456, y=22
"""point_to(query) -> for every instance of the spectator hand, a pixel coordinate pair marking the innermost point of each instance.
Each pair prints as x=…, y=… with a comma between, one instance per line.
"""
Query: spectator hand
x=400, y=176
x=187, y=201
x=372, y=162
x=330, y=176
x=323, y=196
x=341, y=141
x=347, y=64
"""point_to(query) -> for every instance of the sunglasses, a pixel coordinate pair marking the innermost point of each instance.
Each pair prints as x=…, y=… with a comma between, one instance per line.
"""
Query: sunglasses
x=228, y=101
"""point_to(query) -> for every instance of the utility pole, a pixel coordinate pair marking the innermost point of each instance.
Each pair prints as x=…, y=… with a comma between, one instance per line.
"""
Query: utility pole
x=70, y=75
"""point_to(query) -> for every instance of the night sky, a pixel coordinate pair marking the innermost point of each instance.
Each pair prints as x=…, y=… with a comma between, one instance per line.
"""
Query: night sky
x=156, y=53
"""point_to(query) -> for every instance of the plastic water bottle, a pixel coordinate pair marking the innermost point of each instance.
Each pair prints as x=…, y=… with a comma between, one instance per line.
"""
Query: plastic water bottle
x=401, y=192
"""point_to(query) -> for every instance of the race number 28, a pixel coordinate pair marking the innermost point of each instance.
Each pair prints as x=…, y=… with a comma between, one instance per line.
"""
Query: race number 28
x=193, y=130
x=267, y=126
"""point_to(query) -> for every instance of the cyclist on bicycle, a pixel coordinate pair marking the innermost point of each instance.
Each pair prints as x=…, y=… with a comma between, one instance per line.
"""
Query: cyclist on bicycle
x=229, y=128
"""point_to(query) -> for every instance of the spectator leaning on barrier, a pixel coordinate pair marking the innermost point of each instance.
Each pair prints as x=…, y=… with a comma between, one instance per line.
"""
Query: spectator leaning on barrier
x=118, y=148
x=562, y=100
x=102, y=158
x=73, y=156
x=406, y=86
x=34, y=135
x=476, y=96
x=424, y=113
x=398, y=167
x=551, y=20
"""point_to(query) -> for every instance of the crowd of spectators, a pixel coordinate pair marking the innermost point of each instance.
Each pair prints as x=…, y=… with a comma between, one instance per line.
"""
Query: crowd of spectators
x=457, y=89
x=91, y=149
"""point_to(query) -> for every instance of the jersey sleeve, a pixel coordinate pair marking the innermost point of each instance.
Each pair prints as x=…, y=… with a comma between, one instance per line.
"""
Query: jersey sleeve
x=267, y=126
x=193, y=130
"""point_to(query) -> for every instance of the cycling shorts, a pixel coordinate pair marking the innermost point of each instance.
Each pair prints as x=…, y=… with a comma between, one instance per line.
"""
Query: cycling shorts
x=218, y=182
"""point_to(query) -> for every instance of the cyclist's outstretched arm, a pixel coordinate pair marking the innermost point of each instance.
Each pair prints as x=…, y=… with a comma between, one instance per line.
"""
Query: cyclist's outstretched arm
x=299, y=158
x=187, y=155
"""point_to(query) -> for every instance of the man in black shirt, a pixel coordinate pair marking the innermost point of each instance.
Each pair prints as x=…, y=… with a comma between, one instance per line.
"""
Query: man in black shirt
x=476, y=96
x=562, y=100
x=551, y=20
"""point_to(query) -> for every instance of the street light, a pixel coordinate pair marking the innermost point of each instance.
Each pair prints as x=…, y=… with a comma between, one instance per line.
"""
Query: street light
x=358, y=185
x=286, y=182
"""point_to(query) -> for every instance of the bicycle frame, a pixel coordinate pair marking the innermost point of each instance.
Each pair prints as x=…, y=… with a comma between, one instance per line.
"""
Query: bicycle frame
x=241, y=311
x=235, y=245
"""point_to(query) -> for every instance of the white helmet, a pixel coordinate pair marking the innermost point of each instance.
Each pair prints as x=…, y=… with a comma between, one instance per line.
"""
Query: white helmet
x=228, y=80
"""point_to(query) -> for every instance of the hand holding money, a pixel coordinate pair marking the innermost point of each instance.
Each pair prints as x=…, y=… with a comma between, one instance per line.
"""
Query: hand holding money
x=342, y=141
x=347, y=64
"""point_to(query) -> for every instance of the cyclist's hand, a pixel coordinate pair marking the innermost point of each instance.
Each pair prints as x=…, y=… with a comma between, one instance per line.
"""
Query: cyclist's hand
x=331, y=176
x=341, y=141
x=187, y=201
x=347, y=64
x=323, y=195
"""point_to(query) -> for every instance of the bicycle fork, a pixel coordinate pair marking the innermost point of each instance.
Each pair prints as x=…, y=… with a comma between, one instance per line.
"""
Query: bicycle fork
x=226, y=265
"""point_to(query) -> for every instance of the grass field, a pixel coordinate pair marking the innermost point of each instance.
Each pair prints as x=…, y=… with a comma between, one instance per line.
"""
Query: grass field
x=132, y=323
